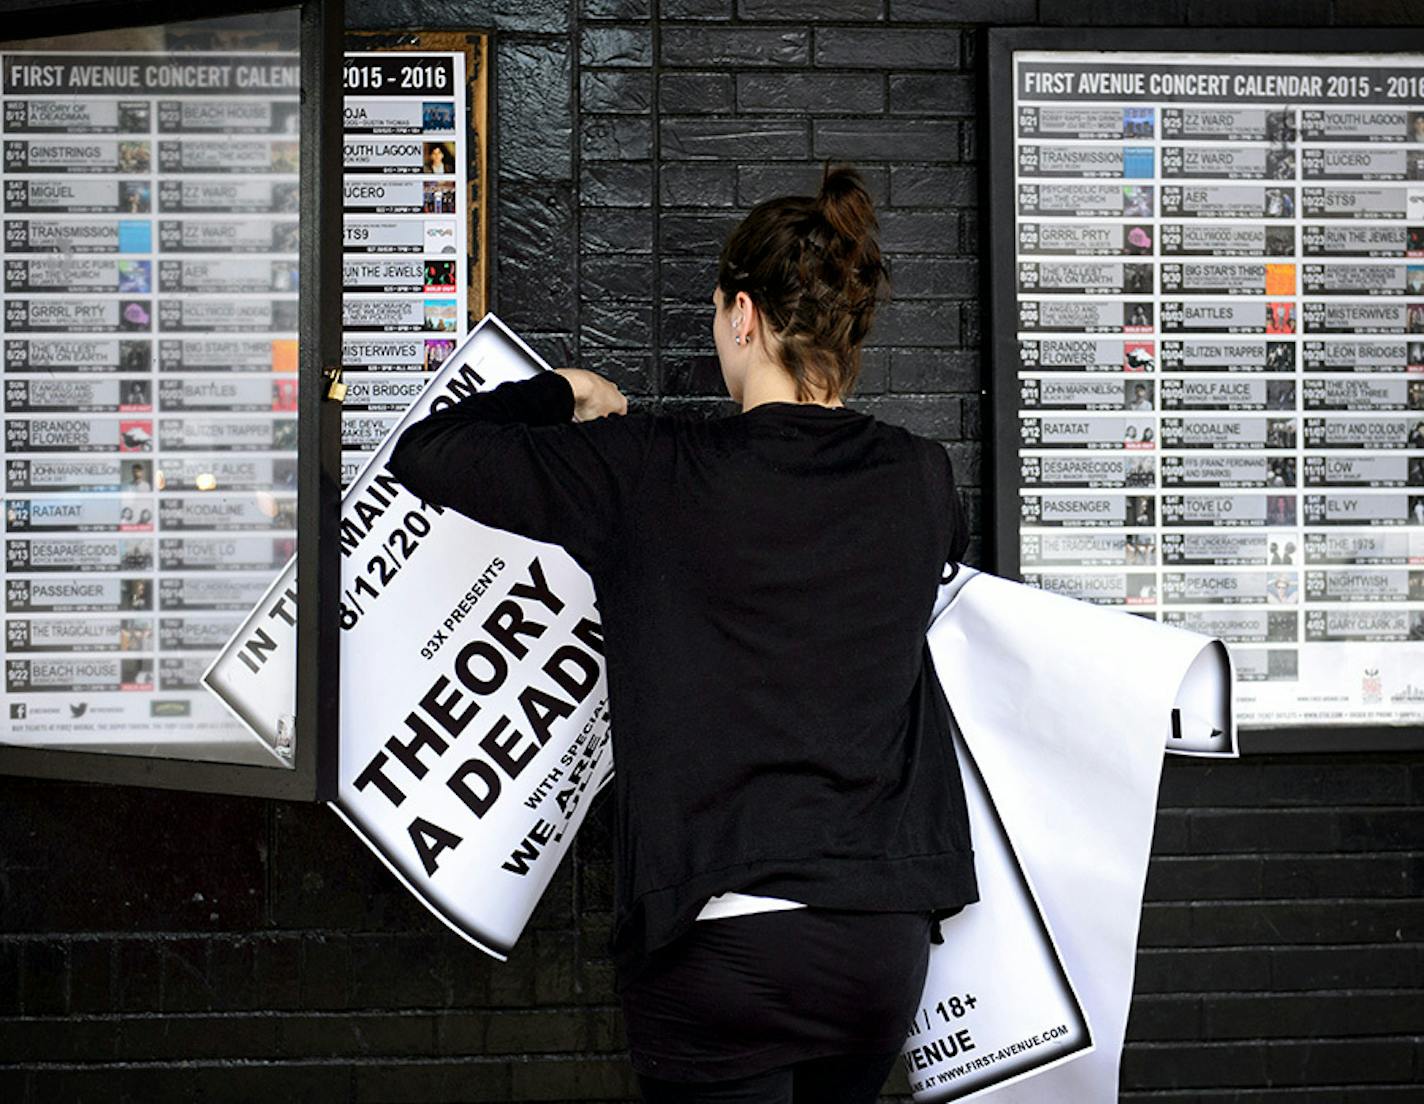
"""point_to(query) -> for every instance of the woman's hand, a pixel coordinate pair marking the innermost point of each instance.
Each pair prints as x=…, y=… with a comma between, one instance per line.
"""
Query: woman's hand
x=594, y=396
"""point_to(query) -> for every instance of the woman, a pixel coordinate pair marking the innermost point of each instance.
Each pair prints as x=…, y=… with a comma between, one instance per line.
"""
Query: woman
x=789, y=819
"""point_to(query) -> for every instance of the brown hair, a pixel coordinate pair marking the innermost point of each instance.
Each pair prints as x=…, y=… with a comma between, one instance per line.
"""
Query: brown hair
x=812, y=266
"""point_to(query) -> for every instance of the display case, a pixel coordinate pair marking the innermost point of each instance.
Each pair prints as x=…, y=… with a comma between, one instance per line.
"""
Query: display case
x=1206, y=326
x=171, y=192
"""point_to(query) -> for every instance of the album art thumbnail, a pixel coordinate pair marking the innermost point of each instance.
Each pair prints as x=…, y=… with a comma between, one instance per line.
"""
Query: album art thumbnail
x=133, y=518
x=135, y=556
x=284, y=395
x=1141, y=588
x=439, y=275
x=1280, y=318
x=284, y=477
x=1139, y=436
x=284, y=276
x=286, y=237
x=285, y=157
x=1137, y=122
x=1280, y=471
x=1137, y=161
x=1280, y=356
x=439, y=158
x=133, y=118
x=286, y=118
x=1137, y=395
x=1280, y=433
x=1137, y=316
x=1280, y=394
x=438, y=197
x=1137, y=201
x=1282, y=589
x=1281, y=551
x=138, y=477
x=1280, y=241
x=135, y=636
x=436, y=350
x=135, y=197
x=135, y=674
x=1137, y=240
x=1280, y=509
x=136, y=436
x=1138, y=356
x=282, y=314
x=134, y=594
x=1280, y=202
x=137, y=395
x=133, y=157
x=1139, y=548
x=437, y=115
x=1137, y=279
x=135, y=277
x=440, y=315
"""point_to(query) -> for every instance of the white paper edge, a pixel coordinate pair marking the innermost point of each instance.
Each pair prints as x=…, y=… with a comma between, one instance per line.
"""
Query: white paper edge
x=290, y=762
x=410, y=887
x=1092, y=1045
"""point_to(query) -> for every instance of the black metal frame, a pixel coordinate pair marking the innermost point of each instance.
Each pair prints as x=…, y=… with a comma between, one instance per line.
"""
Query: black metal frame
x=1001, y=410
x=313, y=774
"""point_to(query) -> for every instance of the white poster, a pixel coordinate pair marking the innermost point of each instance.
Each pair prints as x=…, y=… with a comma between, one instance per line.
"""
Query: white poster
x=1067, y=765
x=474, y=717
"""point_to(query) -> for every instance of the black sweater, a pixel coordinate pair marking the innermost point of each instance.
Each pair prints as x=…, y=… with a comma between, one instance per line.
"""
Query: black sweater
x=765, y=582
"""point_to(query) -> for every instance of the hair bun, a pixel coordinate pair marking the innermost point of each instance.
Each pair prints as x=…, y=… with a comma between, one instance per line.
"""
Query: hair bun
x=845, y=203
x=812, y=266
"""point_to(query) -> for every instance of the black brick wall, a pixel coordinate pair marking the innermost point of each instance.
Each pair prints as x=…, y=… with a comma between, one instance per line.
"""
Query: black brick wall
x=158, y=946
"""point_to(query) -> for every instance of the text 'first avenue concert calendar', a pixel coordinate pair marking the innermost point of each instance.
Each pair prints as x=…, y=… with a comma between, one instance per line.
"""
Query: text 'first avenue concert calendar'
x=1219, y=300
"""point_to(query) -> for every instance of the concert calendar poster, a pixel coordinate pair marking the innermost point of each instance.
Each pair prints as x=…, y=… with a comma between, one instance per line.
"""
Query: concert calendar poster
x=150, y=286
x=1208, y=302
x=406, y=211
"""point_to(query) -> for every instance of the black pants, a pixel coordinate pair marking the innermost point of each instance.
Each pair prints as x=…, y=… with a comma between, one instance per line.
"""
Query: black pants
x=797, y=1005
